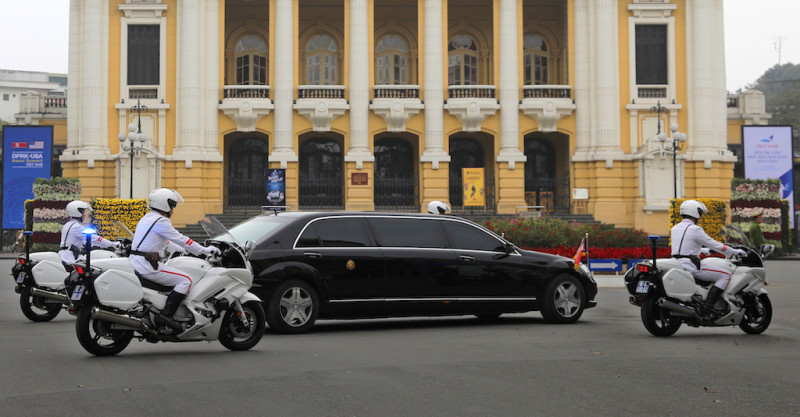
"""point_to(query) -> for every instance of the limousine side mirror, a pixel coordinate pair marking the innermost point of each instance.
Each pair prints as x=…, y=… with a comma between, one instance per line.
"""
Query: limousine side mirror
x=508, y=249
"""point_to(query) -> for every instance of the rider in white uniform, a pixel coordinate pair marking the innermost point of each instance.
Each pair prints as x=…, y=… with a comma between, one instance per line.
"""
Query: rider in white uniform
x=153, y=233
x=688, y=239
x=72, y=238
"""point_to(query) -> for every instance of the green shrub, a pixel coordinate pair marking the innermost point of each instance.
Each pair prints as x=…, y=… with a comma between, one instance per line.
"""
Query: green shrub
x=549, y=231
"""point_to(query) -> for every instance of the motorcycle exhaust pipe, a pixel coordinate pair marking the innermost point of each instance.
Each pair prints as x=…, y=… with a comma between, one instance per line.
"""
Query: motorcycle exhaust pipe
x=122, y=319
x=36, y=292
x=676, y=308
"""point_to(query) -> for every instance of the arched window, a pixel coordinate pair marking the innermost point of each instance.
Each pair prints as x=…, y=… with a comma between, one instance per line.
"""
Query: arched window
x=322, y=61
x=391, y=61
x=251, y=61
x=395, y=179
x=462, y=61
x=537, y=60
x=464, y=153
x=541, y=159
x=247, y=160
x=321, y=177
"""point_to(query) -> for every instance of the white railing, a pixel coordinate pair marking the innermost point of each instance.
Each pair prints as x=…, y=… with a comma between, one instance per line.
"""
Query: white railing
x=320, y=91
x=396, y=91
x=246, y=91
x=547, y=91
x=471, y=91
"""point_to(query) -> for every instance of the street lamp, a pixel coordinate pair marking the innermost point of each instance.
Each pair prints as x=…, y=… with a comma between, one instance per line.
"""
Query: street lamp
x=677, y=139
x=135, y=137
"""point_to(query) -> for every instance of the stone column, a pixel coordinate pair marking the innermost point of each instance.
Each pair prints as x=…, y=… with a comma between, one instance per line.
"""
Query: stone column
x=706, y=83
x=509, y=85
x=73, y=83
x=283, y=149
x=434, y=85
x=606, y=69
x=583, y=102
x=211, y=98
x=189, y=110
x=359, y=151
x=91, y=79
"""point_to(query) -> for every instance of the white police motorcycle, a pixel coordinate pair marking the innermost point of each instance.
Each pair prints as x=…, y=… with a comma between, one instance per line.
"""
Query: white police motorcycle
x=42, y=281
x=670, y=296
x=119, y=305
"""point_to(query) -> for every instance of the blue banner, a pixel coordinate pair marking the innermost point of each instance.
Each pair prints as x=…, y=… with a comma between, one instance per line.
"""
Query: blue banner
x=275, y=187
x=768, y=155
x=27, y=154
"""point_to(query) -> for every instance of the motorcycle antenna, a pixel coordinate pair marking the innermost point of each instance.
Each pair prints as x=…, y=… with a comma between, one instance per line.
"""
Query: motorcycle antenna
x=653, y=240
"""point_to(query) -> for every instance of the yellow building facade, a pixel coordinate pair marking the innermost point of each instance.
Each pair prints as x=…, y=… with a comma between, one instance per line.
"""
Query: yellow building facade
x=380, y=104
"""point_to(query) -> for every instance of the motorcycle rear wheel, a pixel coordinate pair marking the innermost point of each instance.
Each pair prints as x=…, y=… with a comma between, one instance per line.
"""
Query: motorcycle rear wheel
x=236, y=336
x=35, y=308
x=757, y=318
x=658, y=321
x=97, y=336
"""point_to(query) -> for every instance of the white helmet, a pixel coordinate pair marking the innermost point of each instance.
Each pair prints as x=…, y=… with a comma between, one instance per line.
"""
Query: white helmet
x=693, y=208
x=437, y=207
x=164, y=199
x=77, y=208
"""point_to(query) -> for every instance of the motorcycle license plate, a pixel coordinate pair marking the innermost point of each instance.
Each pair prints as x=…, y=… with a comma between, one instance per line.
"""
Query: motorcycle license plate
x=77, y=293
x=20, y=277
x=643, y=287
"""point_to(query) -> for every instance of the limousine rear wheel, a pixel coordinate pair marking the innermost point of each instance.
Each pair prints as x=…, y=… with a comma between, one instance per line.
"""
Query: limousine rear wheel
x=293, y=307
x=563, y=300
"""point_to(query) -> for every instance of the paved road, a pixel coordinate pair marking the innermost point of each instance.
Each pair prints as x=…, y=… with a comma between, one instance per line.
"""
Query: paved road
x=605, y=365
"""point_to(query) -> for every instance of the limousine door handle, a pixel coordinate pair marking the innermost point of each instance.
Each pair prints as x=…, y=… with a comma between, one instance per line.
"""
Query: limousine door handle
x=312, y=255
x=467, y=258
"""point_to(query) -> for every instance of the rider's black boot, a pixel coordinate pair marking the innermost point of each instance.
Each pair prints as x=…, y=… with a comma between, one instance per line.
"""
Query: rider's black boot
x=711, y=300
x=174, y=300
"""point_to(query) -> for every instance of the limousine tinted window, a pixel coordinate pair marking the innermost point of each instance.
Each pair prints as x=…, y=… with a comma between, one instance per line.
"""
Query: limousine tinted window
x=335, y=233
x=407, y=233
x=464, y=236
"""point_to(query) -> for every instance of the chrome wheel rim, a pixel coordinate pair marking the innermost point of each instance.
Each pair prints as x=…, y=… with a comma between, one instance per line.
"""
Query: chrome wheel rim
x=296, y=306
x=567, y=300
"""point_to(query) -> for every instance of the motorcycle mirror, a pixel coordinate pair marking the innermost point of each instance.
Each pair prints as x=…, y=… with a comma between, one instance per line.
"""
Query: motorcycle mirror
x=766, y=250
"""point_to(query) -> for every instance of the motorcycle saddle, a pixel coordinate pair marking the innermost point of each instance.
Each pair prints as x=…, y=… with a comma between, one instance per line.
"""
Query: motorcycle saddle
x=152, y=285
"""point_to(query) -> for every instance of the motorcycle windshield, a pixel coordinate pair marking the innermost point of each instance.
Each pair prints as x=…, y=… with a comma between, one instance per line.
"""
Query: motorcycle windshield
x=120, y=230
x=736, y=235
x=216, y=231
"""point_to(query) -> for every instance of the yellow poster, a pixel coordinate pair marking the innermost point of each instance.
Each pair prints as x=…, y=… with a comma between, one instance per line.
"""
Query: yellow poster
x=473, y=187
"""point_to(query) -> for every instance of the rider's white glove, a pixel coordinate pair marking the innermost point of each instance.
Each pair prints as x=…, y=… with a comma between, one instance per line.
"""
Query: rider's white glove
x=740, y=252
x=211, y=250
x=705, y=251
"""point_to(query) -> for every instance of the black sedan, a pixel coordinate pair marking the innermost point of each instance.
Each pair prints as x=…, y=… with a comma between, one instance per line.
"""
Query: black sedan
x=344, y=265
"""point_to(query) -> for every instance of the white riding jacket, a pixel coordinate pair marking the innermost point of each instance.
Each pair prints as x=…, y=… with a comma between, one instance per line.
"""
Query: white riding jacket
x=153, y=233
x=687, y=238
x=73, y=240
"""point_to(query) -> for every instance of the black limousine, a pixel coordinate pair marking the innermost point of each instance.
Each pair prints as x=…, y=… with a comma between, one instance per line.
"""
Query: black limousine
x=345, y=265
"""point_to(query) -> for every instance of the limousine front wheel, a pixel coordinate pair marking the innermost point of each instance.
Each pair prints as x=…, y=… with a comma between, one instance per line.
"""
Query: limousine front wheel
x=563, y=300
x=293, y=307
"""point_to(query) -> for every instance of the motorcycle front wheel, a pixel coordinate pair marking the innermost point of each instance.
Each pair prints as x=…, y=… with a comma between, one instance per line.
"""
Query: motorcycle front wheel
x=97, y=336
x=36, y=309
x=757, y=316
x=658, y=321
x=236, y=335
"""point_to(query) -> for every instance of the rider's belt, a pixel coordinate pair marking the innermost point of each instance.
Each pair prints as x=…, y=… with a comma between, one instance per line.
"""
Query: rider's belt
x=151, y=257
x=694, y=258
x=63, y=247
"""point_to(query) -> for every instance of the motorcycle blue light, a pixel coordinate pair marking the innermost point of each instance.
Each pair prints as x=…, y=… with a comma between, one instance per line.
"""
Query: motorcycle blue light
x=89, y=231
